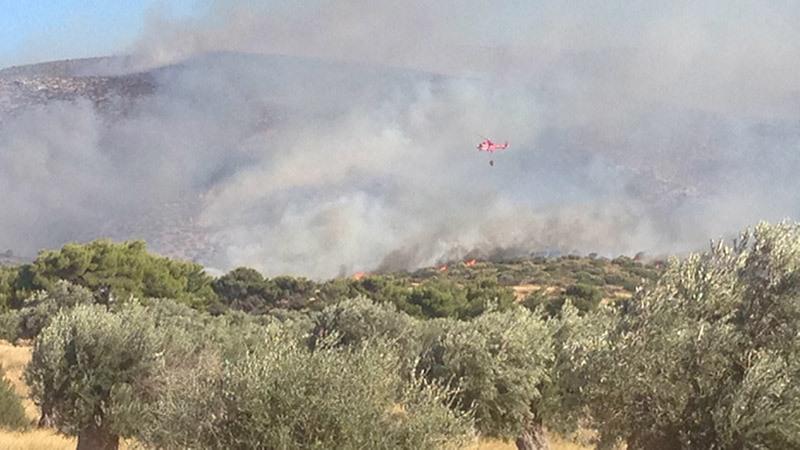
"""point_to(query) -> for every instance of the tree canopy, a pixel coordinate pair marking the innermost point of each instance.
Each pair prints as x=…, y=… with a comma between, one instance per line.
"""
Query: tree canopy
x=710, y=357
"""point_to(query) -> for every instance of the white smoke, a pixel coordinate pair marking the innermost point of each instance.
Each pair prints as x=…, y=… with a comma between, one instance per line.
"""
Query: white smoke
x=650, y=127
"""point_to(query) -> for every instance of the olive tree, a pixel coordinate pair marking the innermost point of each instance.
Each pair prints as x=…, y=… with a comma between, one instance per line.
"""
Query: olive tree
x=86, y=363
x=577, y=337
x=709, y=357
x=38, y=309
x=283, y=394
x=355, y=321
x=501, y=362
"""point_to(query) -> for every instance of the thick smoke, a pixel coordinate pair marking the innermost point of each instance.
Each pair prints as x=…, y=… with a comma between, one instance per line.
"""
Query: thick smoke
x=647, y=128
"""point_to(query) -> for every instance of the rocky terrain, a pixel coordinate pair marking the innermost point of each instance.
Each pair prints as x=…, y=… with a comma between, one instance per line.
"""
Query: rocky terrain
x=39, y=84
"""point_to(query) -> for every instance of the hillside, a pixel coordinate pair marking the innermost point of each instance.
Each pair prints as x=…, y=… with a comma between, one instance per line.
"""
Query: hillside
x=204, y=156
x=460, y=289
x=615, y=278
x=114, y=96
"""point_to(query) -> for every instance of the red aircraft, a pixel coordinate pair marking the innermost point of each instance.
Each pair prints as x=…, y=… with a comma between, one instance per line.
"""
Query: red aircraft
x=491, y=147
x=488, y=146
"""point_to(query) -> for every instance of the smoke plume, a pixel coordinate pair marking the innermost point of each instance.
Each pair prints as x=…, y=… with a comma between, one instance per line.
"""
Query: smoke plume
x=340, y=136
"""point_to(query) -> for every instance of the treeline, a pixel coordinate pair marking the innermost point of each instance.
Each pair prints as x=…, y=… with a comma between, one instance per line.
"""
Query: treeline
x=121, y=270
x=707, y=356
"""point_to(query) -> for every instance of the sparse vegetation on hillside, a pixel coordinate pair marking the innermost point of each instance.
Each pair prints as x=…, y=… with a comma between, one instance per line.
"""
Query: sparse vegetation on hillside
x=118, y=271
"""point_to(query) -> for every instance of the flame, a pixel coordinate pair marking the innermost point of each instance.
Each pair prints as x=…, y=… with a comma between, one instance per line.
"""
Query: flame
x=470, y=263
x=443, y=268
x=359, y=275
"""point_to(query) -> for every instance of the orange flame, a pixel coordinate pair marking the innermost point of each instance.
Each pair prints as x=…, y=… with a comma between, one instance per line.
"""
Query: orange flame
x=443, y=268
x=359, y=275
x=470, y=263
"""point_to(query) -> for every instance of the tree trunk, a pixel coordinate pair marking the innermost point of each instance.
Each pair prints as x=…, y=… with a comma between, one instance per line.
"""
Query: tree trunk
x=45, y=420
x=533, y=437
x=94, y=438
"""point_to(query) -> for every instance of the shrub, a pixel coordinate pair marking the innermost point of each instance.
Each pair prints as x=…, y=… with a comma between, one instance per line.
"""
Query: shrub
x=355, y=321
x=358, y=321
x=709, y=357
x=12, y=413
x=500, y=362
x=583, y=297
x=9, y=326
x=41, y=307
x=8, y=276
x=284, y=395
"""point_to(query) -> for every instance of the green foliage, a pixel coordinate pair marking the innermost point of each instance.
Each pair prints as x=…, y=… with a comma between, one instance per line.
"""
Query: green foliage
x=499, y=360
x=443, y=297
x=577, y=336
x=8, y=276
x=88, y=362
x=40, y=308
x=10, y=325
x=485, y=294
x=379, y=288
x=283, y=395
x=356, y=321
x=710, y=357
x=583, y=297
x=293, y=292
x=585, y=293
x=245, y=289
x=436, y=297
x=122, y=270
x=539, y=301
x=12, y=413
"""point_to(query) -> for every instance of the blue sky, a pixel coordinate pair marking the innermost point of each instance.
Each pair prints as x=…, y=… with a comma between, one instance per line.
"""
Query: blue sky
x=40, y=30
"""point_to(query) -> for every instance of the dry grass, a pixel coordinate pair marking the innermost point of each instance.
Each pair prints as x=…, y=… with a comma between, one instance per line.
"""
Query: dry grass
x=36, y=440
x=491, y=444
x=43, y=439
x=522, y=291
x=556, y=443
x=13, y=359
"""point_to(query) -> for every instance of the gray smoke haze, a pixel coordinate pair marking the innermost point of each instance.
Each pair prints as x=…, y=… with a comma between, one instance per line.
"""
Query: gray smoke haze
x=638, y=127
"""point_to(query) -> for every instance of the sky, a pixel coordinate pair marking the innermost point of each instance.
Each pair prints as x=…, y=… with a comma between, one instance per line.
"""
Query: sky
x=44, y=30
